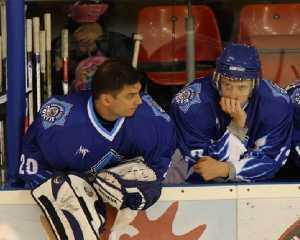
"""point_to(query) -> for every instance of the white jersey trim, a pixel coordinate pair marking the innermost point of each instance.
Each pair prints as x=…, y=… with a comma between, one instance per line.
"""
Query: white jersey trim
x=92, y=116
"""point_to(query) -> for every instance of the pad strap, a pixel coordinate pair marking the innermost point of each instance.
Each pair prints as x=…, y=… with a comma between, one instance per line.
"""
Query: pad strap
x=71, y=206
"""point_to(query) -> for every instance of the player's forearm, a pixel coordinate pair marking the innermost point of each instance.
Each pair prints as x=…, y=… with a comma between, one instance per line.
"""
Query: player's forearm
x=258, y=166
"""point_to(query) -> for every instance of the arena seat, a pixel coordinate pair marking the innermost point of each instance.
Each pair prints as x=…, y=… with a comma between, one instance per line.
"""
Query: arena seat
x=163, y=52
x=275, y=30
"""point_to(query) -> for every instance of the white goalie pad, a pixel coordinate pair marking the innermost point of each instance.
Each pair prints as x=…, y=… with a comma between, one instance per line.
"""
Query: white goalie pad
x=134, y=169
x=110, y=189
x=72, y=207
x=130, y=184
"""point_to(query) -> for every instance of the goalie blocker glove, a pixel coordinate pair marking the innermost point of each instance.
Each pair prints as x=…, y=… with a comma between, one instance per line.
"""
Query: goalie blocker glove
x=71, y=206
x=130, y=185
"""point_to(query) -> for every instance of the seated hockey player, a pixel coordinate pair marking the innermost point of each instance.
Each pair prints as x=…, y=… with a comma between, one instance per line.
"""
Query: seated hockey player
x=109, y=144
x=294, y=92
x=291, y=170
x=233, y=126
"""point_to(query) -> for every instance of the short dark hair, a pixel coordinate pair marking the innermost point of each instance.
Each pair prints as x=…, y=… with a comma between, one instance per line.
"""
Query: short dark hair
x=112, y=75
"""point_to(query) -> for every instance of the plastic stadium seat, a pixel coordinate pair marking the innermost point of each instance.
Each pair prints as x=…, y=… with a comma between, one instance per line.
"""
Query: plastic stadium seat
x=163, y=53
x=275, y=30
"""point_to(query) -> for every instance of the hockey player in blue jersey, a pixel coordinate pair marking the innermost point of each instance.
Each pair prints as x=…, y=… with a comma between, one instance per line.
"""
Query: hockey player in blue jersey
x=111, y=144
x=294, y=92
x=291, y=169
x=233, y=126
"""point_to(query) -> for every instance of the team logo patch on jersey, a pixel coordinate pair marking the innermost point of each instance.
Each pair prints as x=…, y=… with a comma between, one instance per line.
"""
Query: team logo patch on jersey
x=54, y=112
x=296, y=96
x=188, y=96
x=158, y=111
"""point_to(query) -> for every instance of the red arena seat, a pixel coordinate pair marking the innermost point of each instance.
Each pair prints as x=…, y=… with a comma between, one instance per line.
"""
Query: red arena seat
x=163, y=53
x=275, y=30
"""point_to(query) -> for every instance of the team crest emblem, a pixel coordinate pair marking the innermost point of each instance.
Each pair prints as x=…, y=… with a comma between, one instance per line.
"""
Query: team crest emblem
x=296, y=96
x=188, y=96
x=52, y=112
x=55, y=112
x=185, y=96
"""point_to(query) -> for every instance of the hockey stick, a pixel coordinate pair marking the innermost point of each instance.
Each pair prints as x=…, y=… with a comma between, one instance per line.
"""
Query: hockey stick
x=3, y=87
x=65, y=57
x=137, y=43
x=47, y=21
x=43, y=65
x=4, y=44
x=36, y=49
x=29, y=68
x=1, y=74
x=2, y=154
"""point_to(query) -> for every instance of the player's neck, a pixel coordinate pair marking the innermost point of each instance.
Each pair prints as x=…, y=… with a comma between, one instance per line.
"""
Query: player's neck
x=104, y=112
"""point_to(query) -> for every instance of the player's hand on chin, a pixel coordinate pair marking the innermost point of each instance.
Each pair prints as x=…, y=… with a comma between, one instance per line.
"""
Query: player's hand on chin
x=210, y=168
x=234, y=109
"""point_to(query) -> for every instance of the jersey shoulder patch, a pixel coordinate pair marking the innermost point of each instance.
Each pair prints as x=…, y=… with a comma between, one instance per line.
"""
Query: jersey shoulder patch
x=188, y=96
x=55, y=112
x=294, y=92
x=157, y=110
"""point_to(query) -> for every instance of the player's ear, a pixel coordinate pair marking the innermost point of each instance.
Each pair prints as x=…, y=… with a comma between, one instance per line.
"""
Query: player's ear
x=106, y=99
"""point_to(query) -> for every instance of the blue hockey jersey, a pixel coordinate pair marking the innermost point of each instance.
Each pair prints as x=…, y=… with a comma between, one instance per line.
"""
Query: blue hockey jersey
x=202, y=129
x=294, y=92
x=67, y=136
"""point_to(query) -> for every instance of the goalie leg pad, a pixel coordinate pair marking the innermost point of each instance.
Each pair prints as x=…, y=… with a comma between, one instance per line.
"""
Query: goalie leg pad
x=72, y=207
x=132, y=184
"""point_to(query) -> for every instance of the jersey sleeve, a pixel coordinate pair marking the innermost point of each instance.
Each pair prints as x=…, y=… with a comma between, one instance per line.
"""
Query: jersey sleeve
x=161, y=148
x=157, y=142
x=294, y=92
x=296, y=138
x=195, y=125
x=33, y=168
x=269, y=153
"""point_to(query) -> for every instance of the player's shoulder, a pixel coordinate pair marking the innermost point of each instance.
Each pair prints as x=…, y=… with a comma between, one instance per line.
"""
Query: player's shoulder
x=150, y=122
x=272, y=93
x=57, y=108
x=150, y=110
x=67, y=101
x=198, y=93
x=275, y=104
x=294, y=92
